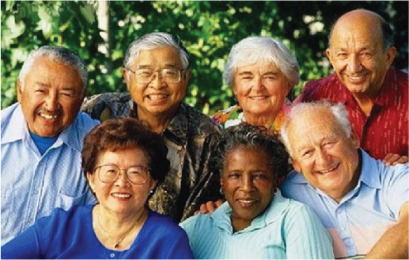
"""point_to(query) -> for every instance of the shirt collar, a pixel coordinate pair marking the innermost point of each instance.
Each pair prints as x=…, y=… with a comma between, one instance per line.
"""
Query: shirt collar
x=367, y=171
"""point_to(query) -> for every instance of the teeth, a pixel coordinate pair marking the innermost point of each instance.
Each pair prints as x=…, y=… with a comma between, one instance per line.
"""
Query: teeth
x=121, y=195
x=157, y=97
x=329, y=170
x=258, y=98
x=356, y=78
x=47, y=116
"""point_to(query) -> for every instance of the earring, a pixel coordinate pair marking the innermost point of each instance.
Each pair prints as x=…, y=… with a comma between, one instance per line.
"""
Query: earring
x=151, y=191
x=221, y=191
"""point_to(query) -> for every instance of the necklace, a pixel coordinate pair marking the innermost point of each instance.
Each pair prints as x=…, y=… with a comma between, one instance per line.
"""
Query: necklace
x=117, y=242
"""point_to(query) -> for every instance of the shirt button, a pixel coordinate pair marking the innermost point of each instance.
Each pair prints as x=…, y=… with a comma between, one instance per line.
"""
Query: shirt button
x=343, y=227
x=339, y=211
x=112, y=255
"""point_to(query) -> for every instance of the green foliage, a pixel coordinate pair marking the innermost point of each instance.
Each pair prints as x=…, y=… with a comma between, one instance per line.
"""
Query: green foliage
x=208, y=29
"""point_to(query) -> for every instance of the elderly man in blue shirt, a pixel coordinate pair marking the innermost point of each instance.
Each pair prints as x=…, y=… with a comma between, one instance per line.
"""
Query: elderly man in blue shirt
x=41, y=140
x=362, y=202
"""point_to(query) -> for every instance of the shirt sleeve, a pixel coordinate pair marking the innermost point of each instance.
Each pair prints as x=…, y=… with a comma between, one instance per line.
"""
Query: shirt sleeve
x=397, y=191
x=305, y=236
x=24, y=246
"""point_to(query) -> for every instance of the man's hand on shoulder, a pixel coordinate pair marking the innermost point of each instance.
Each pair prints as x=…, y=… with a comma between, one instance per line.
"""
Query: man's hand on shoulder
x=209, y=207
x=393, y=159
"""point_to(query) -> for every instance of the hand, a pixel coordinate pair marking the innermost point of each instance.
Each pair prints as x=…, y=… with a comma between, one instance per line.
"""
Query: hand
x=393, y=159
x=210, y=206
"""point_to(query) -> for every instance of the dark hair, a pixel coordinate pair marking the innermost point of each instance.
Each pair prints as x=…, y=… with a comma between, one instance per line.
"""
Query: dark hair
x=121, y=134
x=254, y=137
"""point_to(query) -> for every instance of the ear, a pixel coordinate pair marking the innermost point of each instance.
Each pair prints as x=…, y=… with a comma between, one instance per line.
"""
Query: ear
x=91, y=180
x=153, y=185
x=296, y=165
x=329, y=55
x=125, y=74
x=19, y=90
x=390, y=55
x=355, y=140
x=188, y=75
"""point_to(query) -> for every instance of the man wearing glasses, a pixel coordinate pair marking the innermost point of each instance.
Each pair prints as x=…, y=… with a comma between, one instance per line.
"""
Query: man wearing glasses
x=156, y=72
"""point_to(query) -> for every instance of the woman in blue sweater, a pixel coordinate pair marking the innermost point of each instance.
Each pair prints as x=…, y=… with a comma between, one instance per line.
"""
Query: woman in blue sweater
x=123, y=162
x=255, y=221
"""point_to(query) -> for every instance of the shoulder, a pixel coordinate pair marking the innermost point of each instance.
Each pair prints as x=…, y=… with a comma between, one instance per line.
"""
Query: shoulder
x=163, y=224
x=107, y=105
x=321, y=88
x=199, y=123
x=8, y=112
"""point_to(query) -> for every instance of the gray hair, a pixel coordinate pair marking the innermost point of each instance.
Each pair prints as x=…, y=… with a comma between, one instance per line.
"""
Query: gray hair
x=55, y=53
x=261, y=48
x=298, y=111
x=155, y=40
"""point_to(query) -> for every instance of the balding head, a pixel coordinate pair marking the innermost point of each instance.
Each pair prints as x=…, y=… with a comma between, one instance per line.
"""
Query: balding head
x=371, y=21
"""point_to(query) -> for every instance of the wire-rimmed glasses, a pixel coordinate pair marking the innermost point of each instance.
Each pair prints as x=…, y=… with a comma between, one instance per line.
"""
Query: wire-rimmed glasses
x=109, y=173
x=169, y=75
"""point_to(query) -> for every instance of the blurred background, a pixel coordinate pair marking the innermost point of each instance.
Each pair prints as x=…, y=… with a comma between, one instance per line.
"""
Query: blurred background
x=100, y=32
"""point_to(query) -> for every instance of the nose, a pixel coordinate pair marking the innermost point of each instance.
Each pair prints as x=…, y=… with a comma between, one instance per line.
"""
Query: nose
x=51, y=102
x=354, y=64
x=258, y=83
x=247, y=184
x=122, y=179
x=322, y=157
x=157, y=80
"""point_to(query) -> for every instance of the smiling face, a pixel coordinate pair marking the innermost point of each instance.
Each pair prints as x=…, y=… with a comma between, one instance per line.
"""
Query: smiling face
x=248, y=183
x=327, y=158
x=50, y=95
x=260, y=88
x=157, y=98
x=357, y=53
x=121, y=196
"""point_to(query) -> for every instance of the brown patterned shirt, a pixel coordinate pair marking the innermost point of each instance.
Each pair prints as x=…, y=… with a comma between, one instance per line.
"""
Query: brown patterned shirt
x=190, y=137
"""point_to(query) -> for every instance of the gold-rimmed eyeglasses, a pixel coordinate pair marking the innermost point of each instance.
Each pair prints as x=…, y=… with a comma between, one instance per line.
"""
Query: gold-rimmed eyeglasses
x=169, y=75
x=109, y=173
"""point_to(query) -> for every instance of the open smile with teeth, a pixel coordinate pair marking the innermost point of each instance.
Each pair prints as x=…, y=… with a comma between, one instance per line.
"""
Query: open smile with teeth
x=247, y=202
x=121, y=195
x=48, y=116
x=157, y=97
x=356, y=78
x=258, y=98
x=333, y=168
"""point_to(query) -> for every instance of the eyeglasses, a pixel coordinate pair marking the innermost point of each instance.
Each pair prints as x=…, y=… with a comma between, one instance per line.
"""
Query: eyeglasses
x=145, y=76
x=109, y=173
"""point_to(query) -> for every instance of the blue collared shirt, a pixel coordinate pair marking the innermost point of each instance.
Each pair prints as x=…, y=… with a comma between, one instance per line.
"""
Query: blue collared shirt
x=32, y=185
x=365, y=213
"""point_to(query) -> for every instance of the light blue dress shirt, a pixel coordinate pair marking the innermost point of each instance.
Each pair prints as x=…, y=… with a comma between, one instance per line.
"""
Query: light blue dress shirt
x=286, y=229
x=32, y=185
x=365, y=213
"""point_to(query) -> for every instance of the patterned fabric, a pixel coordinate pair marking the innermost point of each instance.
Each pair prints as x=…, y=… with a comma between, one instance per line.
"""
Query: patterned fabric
x=386, y=129
x=234, y=115
x=286, y=230
x=365, y=213
x=190, y=137
x=69, y=235
x=32, y=185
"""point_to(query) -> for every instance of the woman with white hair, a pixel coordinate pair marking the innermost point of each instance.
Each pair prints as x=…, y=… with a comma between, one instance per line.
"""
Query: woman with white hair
x=261, y=71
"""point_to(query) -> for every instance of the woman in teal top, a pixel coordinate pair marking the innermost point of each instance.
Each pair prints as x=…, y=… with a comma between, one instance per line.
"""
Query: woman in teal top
x=255, y=221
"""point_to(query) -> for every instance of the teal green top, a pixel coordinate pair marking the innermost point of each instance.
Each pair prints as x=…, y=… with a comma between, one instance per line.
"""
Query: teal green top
x=287, y=229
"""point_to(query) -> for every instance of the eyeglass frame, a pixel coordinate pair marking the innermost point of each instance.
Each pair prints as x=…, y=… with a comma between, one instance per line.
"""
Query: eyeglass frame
x=146, y=169
x=180, y=71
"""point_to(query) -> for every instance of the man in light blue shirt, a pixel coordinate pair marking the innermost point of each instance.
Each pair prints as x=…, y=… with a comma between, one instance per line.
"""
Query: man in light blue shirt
x=362, y=202
x=41, y=140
